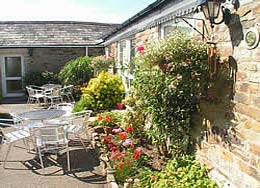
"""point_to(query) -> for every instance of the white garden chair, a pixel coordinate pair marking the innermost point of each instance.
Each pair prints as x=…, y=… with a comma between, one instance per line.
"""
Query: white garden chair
x=34, y=95
x=53, y=95
x=11, y=138
x=67, y=91
x=78, y=123
x=51, y=138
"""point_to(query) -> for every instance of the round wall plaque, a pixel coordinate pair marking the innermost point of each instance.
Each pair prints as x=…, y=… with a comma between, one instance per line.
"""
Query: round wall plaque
x=252, y=38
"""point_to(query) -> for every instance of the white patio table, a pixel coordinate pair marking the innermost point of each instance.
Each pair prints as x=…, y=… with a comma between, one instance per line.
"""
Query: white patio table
x=42, y=114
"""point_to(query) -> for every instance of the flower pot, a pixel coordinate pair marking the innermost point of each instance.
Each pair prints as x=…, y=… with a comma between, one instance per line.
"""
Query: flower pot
x=120, y=106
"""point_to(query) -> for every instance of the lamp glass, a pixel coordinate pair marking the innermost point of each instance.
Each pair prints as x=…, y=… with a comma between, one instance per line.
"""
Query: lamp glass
x=205, y=10
x=213, y=7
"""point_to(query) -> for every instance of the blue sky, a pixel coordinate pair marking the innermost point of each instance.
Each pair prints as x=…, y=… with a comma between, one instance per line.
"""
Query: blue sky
x=109, y=11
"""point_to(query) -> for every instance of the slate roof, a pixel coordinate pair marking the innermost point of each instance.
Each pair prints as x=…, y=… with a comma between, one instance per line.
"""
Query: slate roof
x=52, y=33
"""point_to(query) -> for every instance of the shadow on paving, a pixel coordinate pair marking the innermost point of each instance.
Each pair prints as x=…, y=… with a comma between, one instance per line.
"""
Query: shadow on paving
x=85, y=167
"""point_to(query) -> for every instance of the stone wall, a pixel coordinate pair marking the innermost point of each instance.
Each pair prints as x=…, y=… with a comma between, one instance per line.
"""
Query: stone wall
x=231, y=144
x=52, y=59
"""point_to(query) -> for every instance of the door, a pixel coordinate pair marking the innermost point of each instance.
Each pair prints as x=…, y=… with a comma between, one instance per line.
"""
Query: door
x=12, y=70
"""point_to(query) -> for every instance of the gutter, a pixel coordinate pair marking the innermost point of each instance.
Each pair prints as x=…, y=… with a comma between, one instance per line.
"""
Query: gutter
x=136, y=17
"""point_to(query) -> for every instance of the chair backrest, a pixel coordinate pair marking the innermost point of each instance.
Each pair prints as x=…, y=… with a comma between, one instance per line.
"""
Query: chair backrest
x=85, y=114
x=67, y=89
x=51, y=135
x=18, y=121
x=67, y=107
x=30, y=91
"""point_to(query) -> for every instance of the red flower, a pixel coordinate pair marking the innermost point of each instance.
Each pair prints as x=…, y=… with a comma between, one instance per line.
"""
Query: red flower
x=137, y=153
x=107, y=139
x=112, y=147
x=100, y=118
x=129, y=129
x=122, y=135
x=121, y=165
x=108, y=118
x=139, y=48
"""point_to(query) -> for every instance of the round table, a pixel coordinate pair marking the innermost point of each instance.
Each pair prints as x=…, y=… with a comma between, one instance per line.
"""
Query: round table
x=42, y=114
x=50, y=86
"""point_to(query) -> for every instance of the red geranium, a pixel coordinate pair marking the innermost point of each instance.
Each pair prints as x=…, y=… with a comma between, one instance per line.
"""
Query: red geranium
x=107, y=139
x=108, y=118
x=137, y=153
x=100, y=118
x=129, y=129
x=122, y=135
x=139, y=48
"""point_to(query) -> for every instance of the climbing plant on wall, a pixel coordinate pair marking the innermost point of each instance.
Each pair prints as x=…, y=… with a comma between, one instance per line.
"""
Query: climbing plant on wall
x=170, y=76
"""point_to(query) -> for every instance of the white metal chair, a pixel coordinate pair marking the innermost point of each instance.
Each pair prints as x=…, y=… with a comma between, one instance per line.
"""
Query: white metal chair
x=67, y=91
x=77, y=125
x=51, y=138
x=10, y=138
x=53, y=95
x=34, y=95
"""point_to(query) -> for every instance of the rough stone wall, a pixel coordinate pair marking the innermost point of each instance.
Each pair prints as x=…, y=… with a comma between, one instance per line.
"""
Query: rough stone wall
x=142, y=38
x=93, y=52
x=231, y=148
x=52, y=59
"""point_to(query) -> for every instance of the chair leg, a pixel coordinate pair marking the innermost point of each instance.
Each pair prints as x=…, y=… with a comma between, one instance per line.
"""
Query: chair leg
x=8, y=151
x=40, y=157
x=25, y=142
x=82, y=142
x=0, y=151
x=68, y=157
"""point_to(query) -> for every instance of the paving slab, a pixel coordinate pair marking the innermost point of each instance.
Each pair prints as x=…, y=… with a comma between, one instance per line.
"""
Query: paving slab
x=23, y=169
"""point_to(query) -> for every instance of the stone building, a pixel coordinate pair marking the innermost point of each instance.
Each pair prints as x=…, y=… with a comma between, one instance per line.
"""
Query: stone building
x=227, y=130
x=44, y=46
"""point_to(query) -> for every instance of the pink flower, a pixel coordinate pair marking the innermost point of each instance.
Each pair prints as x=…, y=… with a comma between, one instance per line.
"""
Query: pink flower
x=128, y=142
x=119, y=130
x=116, y=155
x=139, y=48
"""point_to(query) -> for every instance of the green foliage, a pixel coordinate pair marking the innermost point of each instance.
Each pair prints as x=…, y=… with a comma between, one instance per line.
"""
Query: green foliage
x=101, y=63
x=169, y=78
x=76, y=71
x=181, y=172
x=102, y=93
x=85, y=102
x=40, y=78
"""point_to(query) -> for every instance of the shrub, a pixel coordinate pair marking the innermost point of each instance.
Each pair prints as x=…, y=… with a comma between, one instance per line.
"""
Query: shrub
x=101, y=63
x=40, y=78
x=76, y=71
x=181, y=172
x=102, y=93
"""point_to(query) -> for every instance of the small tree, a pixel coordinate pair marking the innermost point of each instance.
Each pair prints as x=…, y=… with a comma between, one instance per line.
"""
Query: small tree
x=76, y=72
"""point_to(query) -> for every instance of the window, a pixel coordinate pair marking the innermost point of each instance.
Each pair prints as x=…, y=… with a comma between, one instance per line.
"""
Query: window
x=179, y=25
x=121, y=53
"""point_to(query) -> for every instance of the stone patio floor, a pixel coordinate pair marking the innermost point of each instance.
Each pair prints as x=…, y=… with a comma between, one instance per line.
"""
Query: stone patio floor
x=23, y=169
